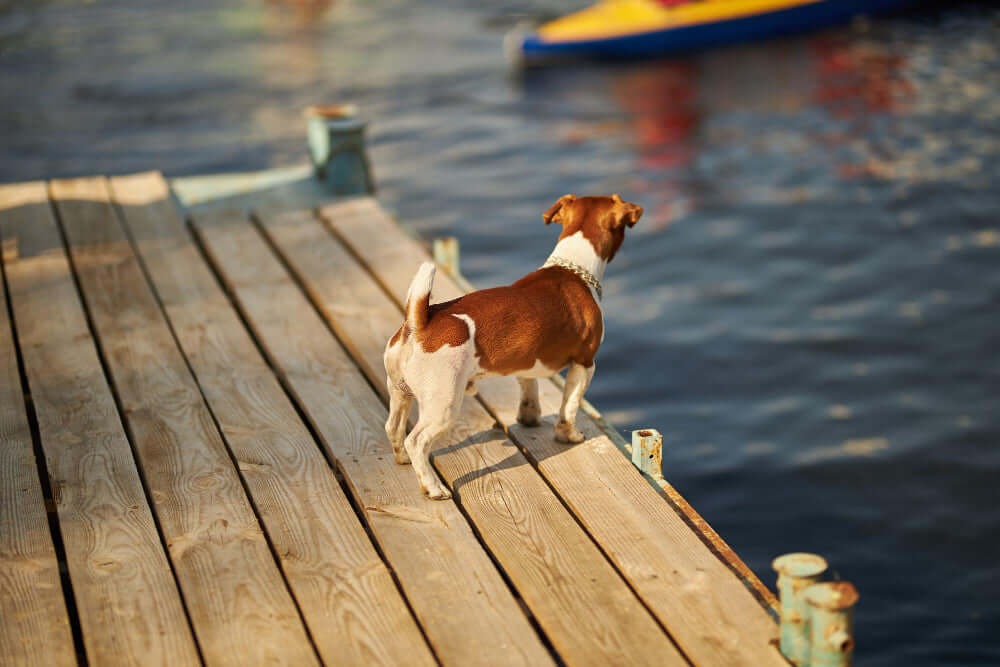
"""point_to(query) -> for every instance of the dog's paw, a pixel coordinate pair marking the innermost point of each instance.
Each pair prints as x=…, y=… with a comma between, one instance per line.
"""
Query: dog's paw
x=436, y=491
x=568, y=433
x=530, y=419
x=402, y=458
x=529, y=413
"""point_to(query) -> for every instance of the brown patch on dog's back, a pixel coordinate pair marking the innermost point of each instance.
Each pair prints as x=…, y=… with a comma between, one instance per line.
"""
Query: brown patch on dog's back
x=442, y=329
x=548, y=316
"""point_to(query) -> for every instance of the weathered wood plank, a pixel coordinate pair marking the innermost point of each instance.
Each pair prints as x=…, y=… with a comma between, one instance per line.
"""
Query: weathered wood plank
x=35, y=628
x=709, y=612
x=241, y=611
x=465, y=608
x=345, y=591
x=582, y=604
x=128, y=603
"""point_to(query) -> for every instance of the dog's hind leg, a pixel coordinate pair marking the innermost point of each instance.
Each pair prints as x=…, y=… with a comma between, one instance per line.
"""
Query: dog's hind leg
x=577, y=380
x=400, y=401
x=418, y=444
x=529, y=411
x=436, y=417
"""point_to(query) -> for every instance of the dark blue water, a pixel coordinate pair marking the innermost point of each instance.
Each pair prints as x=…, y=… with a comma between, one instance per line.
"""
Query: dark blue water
x=808, y=310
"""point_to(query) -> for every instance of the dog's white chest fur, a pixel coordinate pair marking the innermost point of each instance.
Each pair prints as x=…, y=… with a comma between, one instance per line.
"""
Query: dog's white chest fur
x=578, y=250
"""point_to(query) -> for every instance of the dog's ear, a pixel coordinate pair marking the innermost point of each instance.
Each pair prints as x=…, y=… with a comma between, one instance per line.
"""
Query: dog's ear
x=631, y=216
x=550, y=214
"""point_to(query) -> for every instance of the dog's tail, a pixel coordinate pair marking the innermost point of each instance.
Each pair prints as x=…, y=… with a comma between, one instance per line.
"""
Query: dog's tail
x=418, y=297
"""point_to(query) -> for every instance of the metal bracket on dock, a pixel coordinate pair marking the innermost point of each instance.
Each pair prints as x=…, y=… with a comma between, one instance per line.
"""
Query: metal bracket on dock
x=647, y=452
x=337, y=146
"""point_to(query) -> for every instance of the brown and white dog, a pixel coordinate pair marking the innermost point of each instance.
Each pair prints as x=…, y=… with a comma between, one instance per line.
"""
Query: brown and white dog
x=534, y=328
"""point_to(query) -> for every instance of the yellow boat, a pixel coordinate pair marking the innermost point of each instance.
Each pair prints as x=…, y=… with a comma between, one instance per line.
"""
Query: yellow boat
x=643, y=28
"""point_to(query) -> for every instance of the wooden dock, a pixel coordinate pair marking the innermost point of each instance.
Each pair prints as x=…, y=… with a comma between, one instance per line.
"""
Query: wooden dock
x=194, y=468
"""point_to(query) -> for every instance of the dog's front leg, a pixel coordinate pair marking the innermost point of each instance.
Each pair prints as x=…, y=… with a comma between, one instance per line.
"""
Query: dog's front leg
x=529, y=411
x=577, y=380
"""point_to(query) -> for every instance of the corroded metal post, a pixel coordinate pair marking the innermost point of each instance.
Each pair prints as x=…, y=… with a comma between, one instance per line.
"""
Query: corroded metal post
x=337, y=146
x=647, y=451
x=796, y=572
x=446, y=254
x=831, y=621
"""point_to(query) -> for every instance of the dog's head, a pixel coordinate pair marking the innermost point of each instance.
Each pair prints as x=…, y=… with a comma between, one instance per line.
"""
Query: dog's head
x=601, y=220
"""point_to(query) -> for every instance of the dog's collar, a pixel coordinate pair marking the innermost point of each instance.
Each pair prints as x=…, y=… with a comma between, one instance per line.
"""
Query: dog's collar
x=585, y=275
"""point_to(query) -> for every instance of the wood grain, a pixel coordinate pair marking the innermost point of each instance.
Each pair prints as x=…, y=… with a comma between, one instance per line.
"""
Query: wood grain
x=465, y=608
x=345, y=591
x=709, y=611
x=35, y=628
x=588, y=612
x=238, y=603
x=128, y=603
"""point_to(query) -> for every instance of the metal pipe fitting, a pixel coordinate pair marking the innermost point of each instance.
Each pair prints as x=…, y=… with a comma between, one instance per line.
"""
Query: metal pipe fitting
x=831, y=623
x=796, y=572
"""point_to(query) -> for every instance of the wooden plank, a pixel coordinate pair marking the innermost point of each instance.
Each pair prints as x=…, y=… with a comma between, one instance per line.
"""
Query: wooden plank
x=241, y=611
x=35, y=628
x=129, y=607
x=467, y=611
x=709, y=612
x=345, y=591
x=581, y=603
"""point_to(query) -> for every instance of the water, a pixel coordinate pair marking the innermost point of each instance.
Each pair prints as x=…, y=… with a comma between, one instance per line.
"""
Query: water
x=807, y=311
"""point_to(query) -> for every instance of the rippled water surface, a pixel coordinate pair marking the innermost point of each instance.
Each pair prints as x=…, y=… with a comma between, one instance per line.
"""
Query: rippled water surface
x=807, y=311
